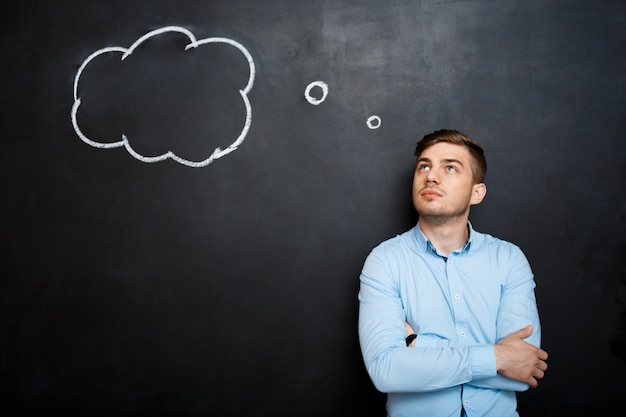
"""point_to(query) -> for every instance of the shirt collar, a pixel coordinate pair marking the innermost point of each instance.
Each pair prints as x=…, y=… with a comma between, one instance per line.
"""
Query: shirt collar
x=424, y=243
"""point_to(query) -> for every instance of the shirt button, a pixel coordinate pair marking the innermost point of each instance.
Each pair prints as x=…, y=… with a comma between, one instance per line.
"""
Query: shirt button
x=466, y=402
x=457, y=297
x=462, y=333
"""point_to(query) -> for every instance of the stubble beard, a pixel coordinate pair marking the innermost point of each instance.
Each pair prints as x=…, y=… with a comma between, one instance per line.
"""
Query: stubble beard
x=438, y=217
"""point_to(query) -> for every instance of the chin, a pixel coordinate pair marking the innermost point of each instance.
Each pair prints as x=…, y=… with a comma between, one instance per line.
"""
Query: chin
x=435, y=219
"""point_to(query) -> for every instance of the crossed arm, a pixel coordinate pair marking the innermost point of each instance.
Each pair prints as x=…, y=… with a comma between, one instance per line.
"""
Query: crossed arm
x=505, y=355
x=516, y=359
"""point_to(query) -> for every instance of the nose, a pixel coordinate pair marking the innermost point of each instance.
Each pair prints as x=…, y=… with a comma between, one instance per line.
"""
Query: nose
x=431, y=177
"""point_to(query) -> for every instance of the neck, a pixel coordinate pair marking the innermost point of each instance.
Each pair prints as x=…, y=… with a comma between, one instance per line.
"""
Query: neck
x=447, y=236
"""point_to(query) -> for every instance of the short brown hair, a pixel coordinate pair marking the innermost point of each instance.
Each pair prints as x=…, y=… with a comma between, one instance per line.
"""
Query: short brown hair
x=479, y=169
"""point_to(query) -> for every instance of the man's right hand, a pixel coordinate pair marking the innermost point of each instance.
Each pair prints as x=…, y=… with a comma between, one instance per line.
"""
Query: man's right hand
x=519, y=360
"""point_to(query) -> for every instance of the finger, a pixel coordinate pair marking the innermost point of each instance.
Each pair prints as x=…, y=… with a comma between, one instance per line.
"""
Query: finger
x=538, y=374
x=542, y=365
x=524, y=332
x=542, y=354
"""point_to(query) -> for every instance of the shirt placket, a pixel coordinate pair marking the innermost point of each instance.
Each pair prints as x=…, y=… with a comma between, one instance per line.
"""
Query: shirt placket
x=458, y=302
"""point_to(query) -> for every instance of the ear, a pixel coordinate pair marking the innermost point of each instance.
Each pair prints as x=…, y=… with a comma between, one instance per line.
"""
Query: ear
x=478, y=193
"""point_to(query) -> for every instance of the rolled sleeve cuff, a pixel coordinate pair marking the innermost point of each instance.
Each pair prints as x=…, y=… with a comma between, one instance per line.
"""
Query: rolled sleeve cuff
x=483, y=361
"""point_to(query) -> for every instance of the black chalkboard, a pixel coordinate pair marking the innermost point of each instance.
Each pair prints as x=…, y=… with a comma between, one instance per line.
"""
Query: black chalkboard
x=145, y=273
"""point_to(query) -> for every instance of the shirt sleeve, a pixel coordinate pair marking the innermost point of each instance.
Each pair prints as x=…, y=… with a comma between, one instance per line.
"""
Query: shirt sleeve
x=518, y=308
x=431, y=364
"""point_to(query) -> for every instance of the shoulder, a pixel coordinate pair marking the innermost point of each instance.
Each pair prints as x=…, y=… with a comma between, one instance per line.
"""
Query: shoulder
x=494, y=246
x=491, y=241
x=393, y=251
x=390, y=259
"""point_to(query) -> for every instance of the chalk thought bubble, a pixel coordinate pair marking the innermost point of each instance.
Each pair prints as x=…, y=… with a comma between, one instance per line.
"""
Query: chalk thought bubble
x=125, y=141
x=373, y=122
x=316, y=101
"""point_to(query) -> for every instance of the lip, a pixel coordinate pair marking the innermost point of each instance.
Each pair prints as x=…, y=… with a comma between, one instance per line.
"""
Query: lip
x=430, y=194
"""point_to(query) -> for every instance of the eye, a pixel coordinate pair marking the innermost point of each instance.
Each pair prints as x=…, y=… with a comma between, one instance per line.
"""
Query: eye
x=423, y=167
x=451, y=168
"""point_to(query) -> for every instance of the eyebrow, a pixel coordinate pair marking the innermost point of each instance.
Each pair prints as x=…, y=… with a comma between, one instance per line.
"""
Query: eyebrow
x=452, y=161
x=443, y=161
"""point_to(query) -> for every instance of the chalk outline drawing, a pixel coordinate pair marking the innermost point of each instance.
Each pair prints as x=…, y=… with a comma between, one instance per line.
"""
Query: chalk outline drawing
x=373, y=122
x=316, y=101
x=126, y=52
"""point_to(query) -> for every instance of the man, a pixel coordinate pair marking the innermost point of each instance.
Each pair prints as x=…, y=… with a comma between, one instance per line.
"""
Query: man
x=465, y=299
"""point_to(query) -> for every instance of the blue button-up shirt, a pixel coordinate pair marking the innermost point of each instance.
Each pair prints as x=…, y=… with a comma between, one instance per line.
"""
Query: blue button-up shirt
x=459, y=306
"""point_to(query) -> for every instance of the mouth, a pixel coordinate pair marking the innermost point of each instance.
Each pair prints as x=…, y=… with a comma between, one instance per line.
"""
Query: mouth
x=430, y=193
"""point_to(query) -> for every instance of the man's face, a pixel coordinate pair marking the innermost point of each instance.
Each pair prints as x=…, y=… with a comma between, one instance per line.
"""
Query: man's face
x=443, y=186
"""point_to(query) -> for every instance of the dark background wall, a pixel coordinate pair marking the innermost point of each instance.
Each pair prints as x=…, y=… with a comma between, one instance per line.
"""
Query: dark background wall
x=135, y=288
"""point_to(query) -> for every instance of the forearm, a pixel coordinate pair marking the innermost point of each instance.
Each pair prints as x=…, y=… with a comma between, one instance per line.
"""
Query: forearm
x=493, y=382
x=419, y=369
x=432, y=364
